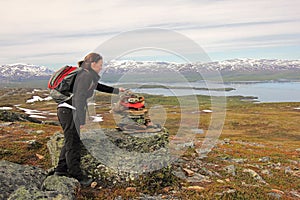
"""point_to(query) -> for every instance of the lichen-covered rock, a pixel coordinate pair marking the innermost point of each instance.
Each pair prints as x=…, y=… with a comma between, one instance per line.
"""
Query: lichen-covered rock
x=64, y=185
x=139, y=142
x=49, y=122
x=14, y=175
x=9, y=116
x=112, y=157
x=34, y=193
x=54, y=146
x=29, y=182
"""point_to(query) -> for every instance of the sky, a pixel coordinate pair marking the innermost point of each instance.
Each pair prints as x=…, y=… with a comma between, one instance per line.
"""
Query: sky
x=58, y=32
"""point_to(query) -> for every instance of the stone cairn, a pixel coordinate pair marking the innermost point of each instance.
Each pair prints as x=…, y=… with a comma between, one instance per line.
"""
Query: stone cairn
x=136, y=148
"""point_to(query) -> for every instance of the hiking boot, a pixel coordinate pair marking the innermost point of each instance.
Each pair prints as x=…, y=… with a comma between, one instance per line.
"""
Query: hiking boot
x=85, y=181
x=50, y=171
x=61, y=173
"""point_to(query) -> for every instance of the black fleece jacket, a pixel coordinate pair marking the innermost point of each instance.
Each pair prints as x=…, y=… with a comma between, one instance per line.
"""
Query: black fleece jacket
x=85, y=83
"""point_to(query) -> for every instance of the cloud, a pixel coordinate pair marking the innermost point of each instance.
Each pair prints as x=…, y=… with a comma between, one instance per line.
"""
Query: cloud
x=40, y=31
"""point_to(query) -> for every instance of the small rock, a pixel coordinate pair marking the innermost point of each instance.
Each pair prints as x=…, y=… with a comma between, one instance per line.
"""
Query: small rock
x=188, y=172
x=255, y=175
x=277, y=191
x=297, y=149
x=266, y=172
x=148, y=197
x=249, y=185
x=294, y=162
x=195, y=188
x=5, y=124
x=186, y=144
x=40, y=132
x=54, y=123
x=93, y=184
x=264, y=159
x=118, y=198
x=296, y=174
x=295, y=193
x=220, y=181
x=274, y=195
x=253, y=166
x=230, y=169
x=198, y=178
x=33, y=144
x=39, y=156
x=227, y=191
x=130, y=189
x=230, y=191
x=276, y=166
x=209, y=173
x=226, y=141
x=167, y=189
x=202, y=152
x=238, y=160
x=288, y=170
x=179, y=173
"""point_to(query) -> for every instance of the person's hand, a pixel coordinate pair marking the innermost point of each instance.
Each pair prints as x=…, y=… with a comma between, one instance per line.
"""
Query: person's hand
x=122, y=89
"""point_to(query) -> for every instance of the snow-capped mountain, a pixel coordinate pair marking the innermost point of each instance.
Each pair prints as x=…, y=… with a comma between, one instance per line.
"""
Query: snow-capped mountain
x=242, y=65
x=21, y=71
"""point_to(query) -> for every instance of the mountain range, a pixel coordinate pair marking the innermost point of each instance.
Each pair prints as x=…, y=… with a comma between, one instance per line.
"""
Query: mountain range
x=246, y=64
x=21, y=71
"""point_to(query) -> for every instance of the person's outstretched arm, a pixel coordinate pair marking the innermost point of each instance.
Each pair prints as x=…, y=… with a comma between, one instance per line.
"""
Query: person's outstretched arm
x=108, y=89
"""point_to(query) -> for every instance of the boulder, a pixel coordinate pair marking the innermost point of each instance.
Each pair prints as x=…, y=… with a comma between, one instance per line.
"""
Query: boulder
x=23, y=193
x=112, y=157
x=30, y=182
x=14, y=175
x=69, y=187
x=9, y=116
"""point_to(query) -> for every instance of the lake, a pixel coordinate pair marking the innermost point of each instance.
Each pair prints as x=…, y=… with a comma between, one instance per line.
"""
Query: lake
x=264, y=91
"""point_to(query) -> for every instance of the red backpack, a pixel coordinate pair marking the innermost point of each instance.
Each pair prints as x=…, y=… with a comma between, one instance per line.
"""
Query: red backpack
x=61, y=83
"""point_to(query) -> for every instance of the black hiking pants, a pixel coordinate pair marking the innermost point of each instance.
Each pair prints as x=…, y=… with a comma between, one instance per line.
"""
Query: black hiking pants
x=69, y=159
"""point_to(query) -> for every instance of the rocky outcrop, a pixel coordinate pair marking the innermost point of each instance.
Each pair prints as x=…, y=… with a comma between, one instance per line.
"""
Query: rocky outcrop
x=29, y=182
x=112, y=157
x=54, y=146
x=9, y=116
x=23, y=193
x=68, y=187
x=13, y=175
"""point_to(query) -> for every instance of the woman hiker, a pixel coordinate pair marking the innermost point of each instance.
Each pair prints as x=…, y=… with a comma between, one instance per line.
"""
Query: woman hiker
x=71, y=115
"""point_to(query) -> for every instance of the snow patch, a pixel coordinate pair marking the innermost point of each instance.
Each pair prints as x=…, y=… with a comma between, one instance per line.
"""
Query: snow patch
x=37, y=116
x=5, y=108
x=97, y=118
x=38, y=98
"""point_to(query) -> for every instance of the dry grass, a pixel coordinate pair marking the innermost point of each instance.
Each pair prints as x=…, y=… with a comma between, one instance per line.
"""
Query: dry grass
x=274, y=126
